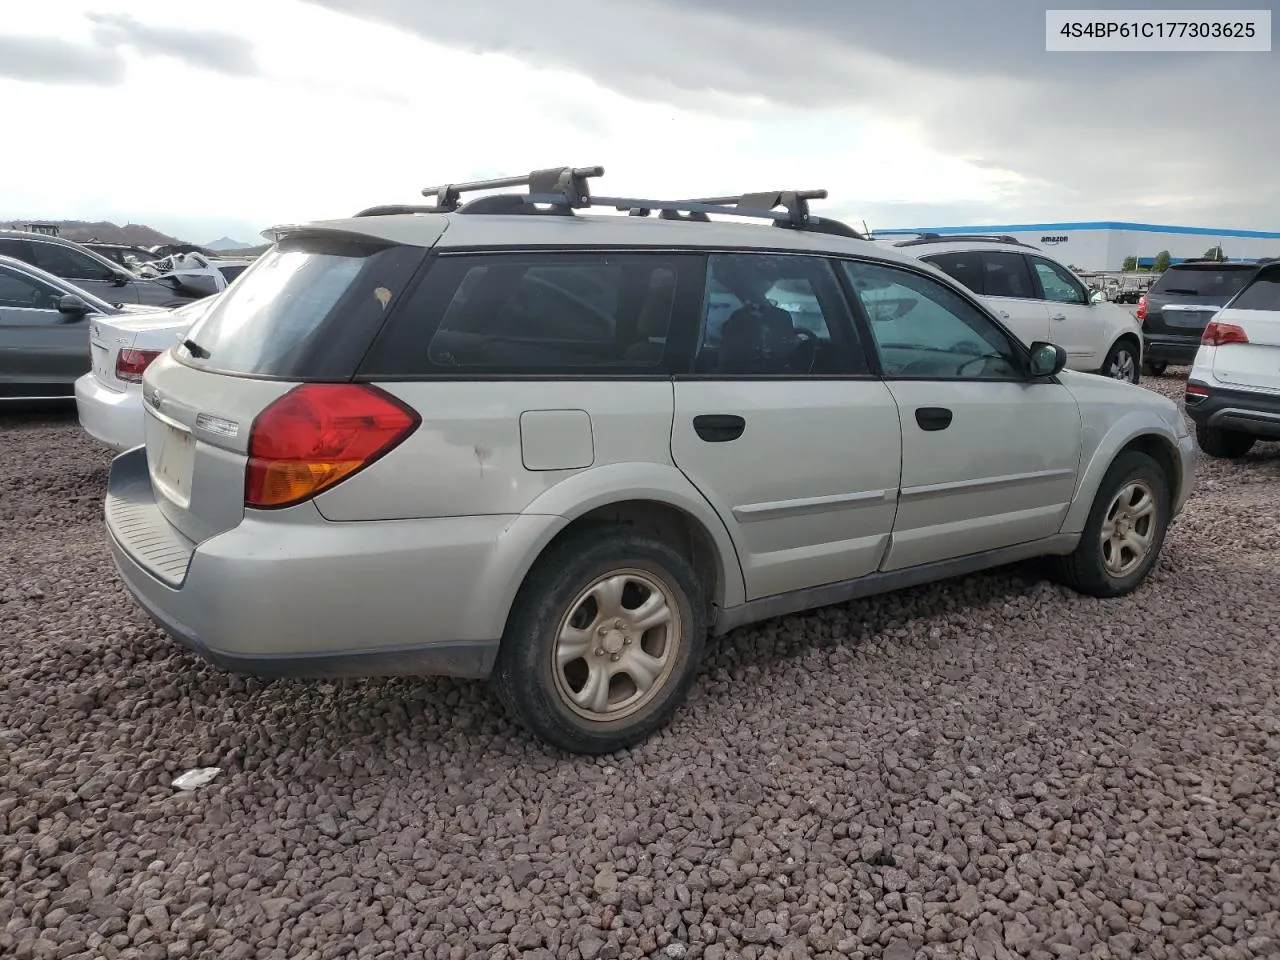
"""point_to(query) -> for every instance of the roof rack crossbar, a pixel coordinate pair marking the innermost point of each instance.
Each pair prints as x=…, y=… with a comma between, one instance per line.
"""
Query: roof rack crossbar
x=924, y=238
x=569, y=184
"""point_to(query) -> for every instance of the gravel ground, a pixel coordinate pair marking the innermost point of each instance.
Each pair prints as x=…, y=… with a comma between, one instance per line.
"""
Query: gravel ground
x=990, y=768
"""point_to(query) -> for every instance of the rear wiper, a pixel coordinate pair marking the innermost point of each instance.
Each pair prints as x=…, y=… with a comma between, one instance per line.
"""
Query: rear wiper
x=197, y=351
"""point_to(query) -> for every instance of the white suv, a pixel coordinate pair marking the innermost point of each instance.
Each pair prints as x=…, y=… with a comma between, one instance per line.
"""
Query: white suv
x=510, y=439
x=1039, y=299
x=1233, y=390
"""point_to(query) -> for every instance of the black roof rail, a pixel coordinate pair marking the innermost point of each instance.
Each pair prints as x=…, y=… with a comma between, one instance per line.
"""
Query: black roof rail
x=962, y=237
x=561, y=190
x=391, y=209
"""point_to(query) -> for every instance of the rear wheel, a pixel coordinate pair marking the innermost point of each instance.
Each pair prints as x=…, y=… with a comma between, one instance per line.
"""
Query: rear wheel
x=1224, y=444
x=603, y=642
x=1122, y=362
x=1125, y=530
x=1155, y=368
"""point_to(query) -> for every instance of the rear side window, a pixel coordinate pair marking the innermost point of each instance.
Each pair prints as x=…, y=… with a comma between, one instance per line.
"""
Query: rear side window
x=1262, y=294
x=1007, y=275
x=962, y=266
x=1218, y=282
x=569, y=313
x=306, y=309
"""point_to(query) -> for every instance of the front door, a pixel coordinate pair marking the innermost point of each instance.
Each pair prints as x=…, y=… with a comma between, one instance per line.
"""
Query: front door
x=782, y=427
x=989, y=457
x=1075, y=324
x=42, y=351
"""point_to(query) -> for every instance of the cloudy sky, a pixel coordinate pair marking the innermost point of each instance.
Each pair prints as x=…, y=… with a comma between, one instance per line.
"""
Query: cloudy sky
x=204, y=119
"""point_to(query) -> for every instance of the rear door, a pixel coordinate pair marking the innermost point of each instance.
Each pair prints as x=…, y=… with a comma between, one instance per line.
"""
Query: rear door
x=1003, y=280
x=1075, y=324
x=783, y=428
x=989, y=457
x=42, y=351
x=1256, y=310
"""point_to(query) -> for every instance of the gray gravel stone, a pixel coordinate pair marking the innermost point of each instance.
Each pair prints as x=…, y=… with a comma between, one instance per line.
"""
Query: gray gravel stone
x=990, y=768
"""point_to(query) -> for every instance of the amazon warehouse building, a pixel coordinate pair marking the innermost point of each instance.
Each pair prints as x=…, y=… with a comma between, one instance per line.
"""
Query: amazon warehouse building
x=1104, y=245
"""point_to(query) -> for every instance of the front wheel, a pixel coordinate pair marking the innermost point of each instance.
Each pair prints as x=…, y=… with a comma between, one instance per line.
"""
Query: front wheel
x=1122, y=362
x=1224, y=444
x=1125, y=530
x=603, y=641
x=1155, y=368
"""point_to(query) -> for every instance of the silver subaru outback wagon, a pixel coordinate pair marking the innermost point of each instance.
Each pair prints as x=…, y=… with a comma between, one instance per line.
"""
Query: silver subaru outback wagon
x=509, y=438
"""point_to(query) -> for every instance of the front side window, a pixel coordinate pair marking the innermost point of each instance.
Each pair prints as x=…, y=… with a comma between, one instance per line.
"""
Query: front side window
x=68, y=263
x=775, y=315
x=23, y=292
x=923, y=330
x=1058, y=284
x=569, y=313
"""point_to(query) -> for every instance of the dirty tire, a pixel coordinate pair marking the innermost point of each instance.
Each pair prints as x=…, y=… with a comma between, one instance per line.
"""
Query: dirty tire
x=1155, y=368
x=1122, y=362
x=1224, y=444
x=1085, y=570
x=531, y=683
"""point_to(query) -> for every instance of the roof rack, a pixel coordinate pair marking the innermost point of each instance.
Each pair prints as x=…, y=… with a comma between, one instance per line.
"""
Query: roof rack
x=559, y=191
x=971, y=237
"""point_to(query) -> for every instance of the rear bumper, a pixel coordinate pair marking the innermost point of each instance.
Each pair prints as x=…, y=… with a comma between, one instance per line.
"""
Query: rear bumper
x=1162, y=348
x=291, y=594
x=1246, y=411
x=109, y=416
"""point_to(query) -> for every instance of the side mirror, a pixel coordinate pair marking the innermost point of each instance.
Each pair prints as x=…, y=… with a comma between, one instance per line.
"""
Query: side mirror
x=119, y=278
x=72, y=307
x=1097, y=297
x=1047, y=359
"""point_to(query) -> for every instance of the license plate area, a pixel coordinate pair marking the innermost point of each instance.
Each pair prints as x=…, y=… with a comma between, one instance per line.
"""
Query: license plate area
x=173, y=461
x=98, y=355
x=1196, y=318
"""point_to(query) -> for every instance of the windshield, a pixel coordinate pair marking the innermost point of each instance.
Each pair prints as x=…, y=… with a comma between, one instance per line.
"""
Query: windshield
x=1222, y=282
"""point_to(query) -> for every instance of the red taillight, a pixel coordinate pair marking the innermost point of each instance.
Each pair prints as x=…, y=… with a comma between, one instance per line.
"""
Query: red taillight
x=1195, y=392
x=1142, y=308
x=1220, y=334
x=131, y=364
x=317, y=435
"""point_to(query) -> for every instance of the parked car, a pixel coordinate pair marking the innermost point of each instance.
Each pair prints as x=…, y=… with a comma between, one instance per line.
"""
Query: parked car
x=109, y=396
x=1176, y=308
x=90, y=271
x=1233, y=390
x=44, y=331
x=472, y=442
x=127, y=255
x=195, y=272
x=1039, y=299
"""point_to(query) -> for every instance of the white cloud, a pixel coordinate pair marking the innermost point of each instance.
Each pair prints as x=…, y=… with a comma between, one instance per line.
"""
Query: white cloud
x=344, y=114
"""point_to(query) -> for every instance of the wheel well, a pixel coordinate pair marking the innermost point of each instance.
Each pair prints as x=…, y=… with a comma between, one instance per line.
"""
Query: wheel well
x=1133, y=339
x=1159, y=450
x=679, y=530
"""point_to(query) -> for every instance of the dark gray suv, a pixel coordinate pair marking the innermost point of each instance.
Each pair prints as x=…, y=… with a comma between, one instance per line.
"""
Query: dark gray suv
x=90, y=271
x=1177, y=307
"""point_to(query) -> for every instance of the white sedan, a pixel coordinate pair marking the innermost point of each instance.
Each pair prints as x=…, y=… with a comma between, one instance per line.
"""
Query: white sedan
x=109, y=396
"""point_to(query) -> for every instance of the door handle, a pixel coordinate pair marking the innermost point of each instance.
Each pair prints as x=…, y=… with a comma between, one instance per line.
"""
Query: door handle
x=1058, y=316
x=719, y=427
x=933, y=418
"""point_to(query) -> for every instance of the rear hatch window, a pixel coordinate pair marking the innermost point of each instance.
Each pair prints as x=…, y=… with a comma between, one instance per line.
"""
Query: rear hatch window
x=1262, y=294
x=307, y=309
x=1220, y=283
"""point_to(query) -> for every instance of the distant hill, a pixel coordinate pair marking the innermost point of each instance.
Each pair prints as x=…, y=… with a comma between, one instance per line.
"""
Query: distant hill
x=226, y=243
x=133, y=233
